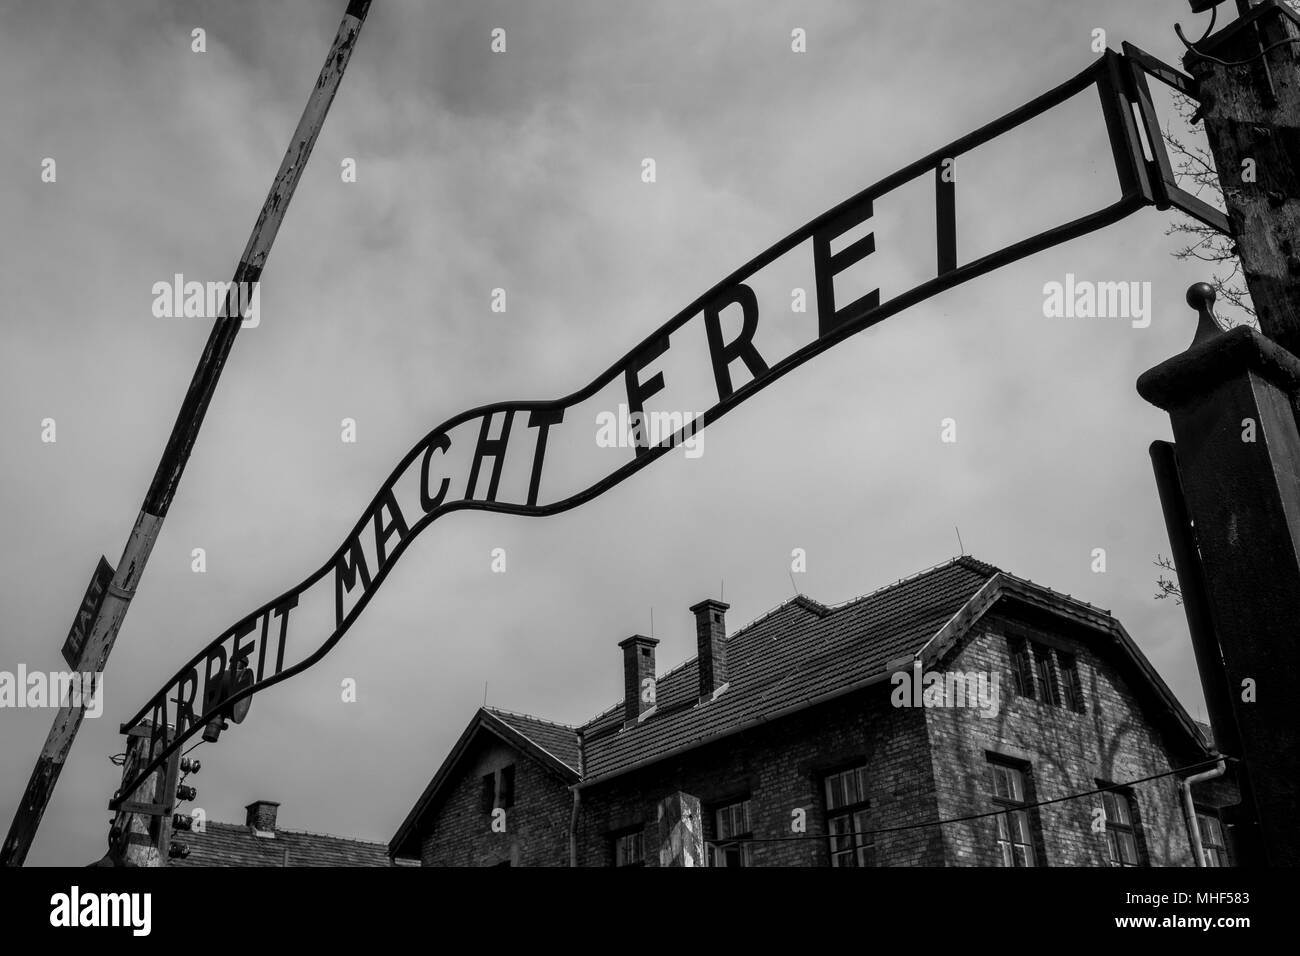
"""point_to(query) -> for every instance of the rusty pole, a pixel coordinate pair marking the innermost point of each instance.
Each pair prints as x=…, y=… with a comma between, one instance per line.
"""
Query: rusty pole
x=177, y=452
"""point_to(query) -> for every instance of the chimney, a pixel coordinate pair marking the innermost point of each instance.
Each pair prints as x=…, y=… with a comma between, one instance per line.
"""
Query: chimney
x=261, y=815
x=711, y=641
x=638, y=667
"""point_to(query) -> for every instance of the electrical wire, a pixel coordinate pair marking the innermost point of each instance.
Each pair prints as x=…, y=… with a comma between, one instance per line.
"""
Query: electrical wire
x=977, y=816
x=1248, y=60
x=118, y=760
x=1214, y=12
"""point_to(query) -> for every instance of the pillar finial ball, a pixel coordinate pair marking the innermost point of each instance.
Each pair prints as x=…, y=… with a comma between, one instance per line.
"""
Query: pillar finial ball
x=1200, y=296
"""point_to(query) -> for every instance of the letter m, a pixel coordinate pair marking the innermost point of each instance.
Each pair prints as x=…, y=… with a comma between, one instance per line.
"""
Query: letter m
x=217, y=298
x=1115, y=295
x=115, y=909
x=348, y=567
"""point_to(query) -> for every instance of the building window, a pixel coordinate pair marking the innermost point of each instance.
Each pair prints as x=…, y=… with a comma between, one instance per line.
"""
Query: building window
x=1214, y=849
x=1121, y=830
x=1022, y=670
x=1014, y=839
x=498, y=789
x=847, y=823
x=629, y=848
x=731, y=823
x=1046, y=679
x=506, y=786
x=1071, y=686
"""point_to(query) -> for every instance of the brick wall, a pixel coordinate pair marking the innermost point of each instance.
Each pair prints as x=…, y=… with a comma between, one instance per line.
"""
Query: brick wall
x=459, y=833
x=923, y=764
x=1119, y=737
x=779, y=766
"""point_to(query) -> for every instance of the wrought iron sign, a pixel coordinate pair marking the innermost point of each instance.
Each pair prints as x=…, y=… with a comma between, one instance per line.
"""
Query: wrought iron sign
x=460, y=464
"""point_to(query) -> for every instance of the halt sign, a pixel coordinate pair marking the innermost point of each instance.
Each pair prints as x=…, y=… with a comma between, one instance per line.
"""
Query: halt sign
x=86, y=613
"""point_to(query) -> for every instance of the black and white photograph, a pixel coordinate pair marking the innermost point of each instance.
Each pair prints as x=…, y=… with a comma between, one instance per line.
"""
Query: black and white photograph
x=789, y=434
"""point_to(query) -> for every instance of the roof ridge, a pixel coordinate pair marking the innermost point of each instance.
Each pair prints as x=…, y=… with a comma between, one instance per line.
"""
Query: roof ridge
x=244, y=827
x=335, y=836
x=965, y=560
x=1105, y=611
x=540, y=720
x=534, y=741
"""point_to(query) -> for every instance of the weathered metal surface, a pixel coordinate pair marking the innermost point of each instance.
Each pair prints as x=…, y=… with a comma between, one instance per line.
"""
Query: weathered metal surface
x=350, y=571
x=1238, y=464
x=1164, y=182
x=75, y=643
x=1252, y=113
x=163, y=487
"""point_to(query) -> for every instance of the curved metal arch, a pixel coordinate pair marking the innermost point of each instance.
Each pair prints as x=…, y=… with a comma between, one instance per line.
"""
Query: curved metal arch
x=1133, y=172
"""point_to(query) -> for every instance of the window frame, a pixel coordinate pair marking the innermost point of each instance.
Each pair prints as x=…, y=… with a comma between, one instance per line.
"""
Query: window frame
x=1012, y=810
x=722, y=847
x=1022, y=666
x=1071, y=682
x=1217, y=851
x=861, y=850
x=1045, y=674
x=616, y=843
x=494, y=793
x=1117, y=828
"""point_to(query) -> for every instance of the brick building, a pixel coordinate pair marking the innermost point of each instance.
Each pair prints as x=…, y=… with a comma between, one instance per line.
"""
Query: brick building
x=260, y=842
x=843, y=736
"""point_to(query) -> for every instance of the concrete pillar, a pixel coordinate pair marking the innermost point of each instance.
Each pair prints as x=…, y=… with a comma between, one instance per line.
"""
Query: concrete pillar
x=681, y=831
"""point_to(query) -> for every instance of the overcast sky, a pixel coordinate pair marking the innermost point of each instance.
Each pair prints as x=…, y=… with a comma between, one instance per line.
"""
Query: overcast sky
x=522, y=171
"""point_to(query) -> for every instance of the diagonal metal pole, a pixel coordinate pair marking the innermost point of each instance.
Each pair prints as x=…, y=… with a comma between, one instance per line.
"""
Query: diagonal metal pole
x=163, y=487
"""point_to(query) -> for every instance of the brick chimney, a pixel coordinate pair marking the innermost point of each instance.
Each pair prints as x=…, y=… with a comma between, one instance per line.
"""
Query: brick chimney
x=638, y=667
x=711, y=642
x=261, y=815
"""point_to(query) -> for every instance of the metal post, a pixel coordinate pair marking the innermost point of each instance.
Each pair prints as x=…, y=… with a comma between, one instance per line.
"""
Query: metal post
x=195, y=405
x=1229, y=399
